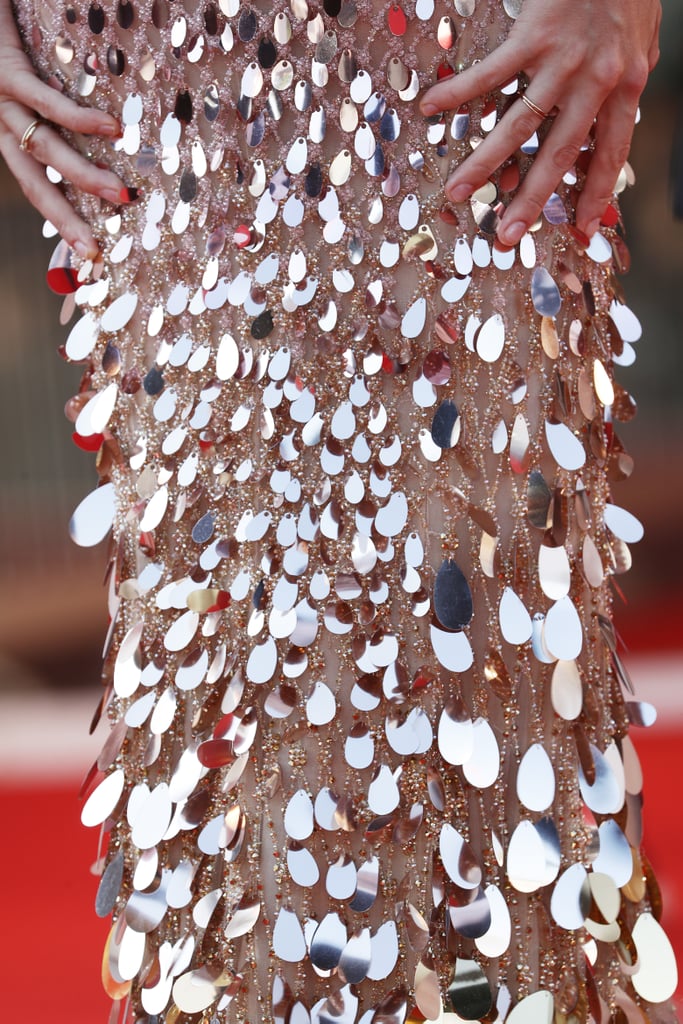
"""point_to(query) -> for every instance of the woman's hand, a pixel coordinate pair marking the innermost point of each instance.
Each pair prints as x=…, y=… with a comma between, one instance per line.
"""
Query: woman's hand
x=588, y=60
x=25, y=98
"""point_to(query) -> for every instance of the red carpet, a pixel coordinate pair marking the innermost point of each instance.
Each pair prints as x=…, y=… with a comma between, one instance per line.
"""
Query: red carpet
x=51, y=942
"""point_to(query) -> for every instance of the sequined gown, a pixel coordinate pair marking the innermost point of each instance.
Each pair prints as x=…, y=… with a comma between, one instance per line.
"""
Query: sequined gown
x=369, y=756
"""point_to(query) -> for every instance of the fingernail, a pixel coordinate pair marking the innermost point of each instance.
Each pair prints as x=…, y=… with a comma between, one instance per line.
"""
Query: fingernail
x=429, y=108
x=610, y=217
x=460, y=192
x=118, y=196
x=85, y=250
x=109, y=127
x=511, y=233
x=593, y=227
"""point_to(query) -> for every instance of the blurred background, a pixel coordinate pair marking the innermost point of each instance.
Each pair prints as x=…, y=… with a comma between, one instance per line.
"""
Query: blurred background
x=52, y=606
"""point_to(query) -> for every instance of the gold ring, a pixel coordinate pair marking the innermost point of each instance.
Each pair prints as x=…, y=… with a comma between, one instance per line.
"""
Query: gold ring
x=25, y=143
x=533, y=107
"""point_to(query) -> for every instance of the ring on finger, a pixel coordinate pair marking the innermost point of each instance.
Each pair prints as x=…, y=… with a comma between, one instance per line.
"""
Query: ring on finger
x=533, y=107
x=25, y=143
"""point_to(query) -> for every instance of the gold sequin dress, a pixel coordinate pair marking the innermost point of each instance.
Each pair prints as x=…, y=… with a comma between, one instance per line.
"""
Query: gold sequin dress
x=369, y=758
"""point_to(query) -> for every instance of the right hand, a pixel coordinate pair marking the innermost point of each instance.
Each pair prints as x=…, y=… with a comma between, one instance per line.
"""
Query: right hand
x=23, y=98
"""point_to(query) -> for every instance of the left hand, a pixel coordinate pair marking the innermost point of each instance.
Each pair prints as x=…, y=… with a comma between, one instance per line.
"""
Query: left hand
x=588, y=60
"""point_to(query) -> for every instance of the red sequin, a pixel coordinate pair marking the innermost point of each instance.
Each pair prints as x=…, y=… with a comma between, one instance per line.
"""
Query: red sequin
x=215, y=753
x=397, y=20
x=88, y=442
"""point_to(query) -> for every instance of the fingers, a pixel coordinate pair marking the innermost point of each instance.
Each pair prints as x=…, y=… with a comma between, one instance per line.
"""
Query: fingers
x=616, y=104
x=558, y=153
x=18, y=81
x=594, y=70
x=653, y=52
x=47, y=147
x=501, y=65
x=23, y=98
x=613, y=132
x=54, y=106
x=47, y=198
x=512, y=131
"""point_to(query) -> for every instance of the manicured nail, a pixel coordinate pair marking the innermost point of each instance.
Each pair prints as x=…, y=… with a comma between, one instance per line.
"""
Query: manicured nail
x=109, y=127
x=85, y=250
x=511, y=233
x=121, y=195
x=459, y=193
x=610, y=217
x=593, y=227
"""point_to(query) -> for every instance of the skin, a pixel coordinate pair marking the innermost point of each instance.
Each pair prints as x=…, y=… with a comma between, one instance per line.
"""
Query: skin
x=23, y=96
x=586, y=60
x=592, y=72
